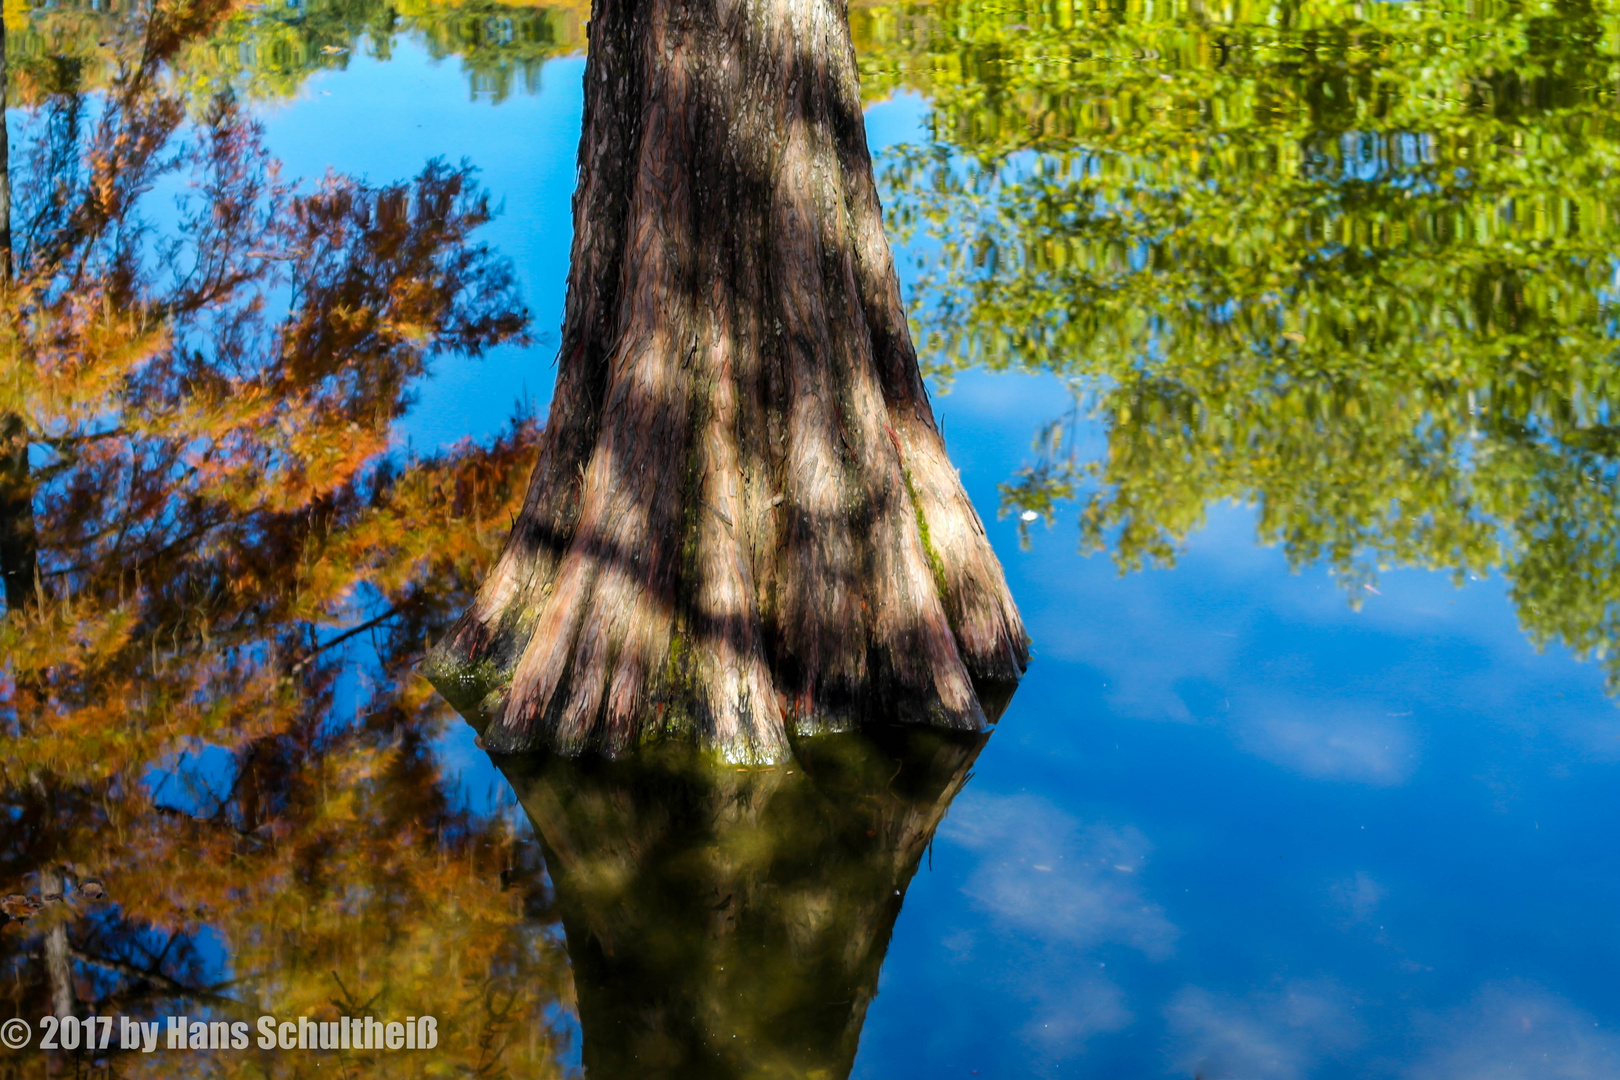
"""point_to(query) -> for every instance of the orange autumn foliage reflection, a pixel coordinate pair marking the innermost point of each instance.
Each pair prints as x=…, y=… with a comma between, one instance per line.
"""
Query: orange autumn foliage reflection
x=220, y=572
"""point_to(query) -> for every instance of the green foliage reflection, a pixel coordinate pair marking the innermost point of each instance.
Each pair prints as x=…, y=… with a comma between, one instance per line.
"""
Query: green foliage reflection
x=267, y=50
x=1351, y=263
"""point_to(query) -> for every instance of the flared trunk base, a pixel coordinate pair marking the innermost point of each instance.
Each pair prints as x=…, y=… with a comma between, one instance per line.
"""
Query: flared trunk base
x=743, y=521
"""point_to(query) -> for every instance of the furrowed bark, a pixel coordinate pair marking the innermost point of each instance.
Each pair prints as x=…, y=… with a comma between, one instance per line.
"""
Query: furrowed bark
x=743, y=523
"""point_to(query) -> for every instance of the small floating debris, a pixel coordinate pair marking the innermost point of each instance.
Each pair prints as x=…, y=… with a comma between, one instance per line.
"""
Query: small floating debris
x=333, y=50
x=92, y=889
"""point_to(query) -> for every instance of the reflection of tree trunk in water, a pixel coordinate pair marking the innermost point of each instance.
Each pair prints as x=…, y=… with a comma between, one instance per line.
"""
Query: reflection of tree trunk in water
x=19, y=550
x=17, y=539
x=58, y=960
x=743, y=523
x=729, y=923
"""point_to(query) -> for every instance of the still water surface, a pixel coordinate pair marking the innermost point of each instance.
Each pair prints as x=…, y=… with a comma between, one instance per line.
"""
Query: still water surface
x=1275, y=344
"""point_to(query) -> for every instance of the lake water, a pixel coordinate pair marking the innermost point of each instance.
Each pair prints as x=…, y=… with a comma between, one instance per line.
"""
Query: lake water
x=1276, y=347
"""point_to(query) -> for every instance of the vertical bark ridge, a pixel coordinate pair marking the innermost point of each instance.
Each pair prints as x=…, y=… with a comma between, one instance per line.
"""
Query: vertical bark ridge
x=736, y=701
x=475, y=657
x=742, y=522
x=987, y=625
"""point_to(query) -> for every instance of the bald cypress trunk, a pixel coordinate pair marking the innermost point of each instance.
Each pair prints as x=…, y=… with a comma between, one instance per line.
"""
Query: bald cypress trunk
x=743, y=522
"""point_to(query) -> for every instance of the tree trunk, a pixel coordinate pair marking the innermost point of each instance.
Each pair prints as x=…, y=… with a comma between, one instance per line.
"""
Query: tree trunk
x=18, y=543
x=727, y=923
x=743, y=522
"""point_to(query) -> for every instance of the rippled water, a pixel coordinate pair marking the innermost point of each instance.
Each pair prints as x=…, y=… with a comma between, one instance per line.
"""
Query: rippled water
x=1276, y=346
